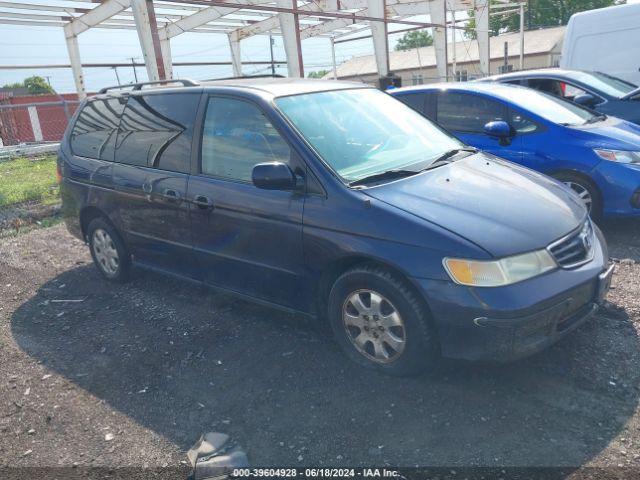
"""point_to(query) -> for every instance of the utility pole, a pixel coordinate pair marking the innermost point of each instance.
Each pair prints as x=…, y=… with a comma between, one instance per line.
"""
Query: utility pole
x=115, y=69
x=453, y=30
x=273, y=67
x=48, y=79
x=528, y=14
x=133, y=64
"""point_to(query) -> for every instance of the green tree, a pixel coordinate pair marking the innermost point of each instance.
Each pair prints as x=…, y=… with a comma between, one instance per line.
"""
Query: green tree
x=317, y=74
x=538, y=14
x=414, y=39
x=35, y=85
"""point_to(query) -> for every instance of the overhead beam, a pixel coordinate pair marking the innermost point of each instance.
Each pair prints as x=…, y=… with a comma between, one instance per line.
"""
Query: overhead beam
x=102, y=12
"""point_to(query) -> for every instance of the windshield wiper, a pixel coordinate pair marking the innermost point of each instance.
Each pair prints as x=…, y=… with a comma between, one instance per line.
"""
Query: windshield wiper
x=450, y=153
x=386, y=175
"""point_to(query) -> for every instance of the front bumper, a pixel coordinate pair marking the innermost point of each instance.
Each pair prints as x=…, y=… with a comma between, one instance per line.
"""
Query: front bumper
x=506, y=323
x=620, y=188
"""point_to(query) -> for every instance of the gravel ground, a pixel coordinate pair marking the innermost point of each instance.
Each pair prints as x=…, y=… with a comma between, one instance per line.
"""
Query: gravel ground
x=95, y=374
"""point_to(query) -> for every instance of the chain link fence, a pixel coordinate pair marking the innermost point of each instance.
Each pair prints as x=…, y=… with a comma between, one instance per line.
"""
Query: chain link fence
x=28, y=129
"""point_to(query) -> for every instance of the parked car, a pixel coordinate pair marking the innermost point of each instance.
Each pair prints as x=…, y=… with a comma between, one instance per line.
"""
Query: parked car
x=595, y=90
x=337, y=201
x=606, y=40
x=595, y=155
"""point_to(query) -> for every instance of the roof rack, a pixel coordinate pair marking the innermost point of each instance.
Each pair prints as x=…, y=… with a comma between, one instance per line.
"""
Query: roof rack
x=269, y=75
x=138, y=86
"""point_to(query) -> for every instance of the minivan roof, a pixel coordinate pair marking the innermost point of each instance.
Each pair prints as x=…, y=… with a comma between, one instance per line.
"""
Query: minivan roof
x=275, y=86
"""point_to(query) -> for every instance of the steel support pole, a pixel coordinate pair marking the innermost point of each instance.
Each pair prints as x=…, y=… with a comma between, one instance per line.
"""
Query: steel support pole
x=481, y=10
x=439, y=16
x=144, y=17
x=76, y=64
x=379, y=34
x=333, y=59
x=236, y=61
x=522, y=36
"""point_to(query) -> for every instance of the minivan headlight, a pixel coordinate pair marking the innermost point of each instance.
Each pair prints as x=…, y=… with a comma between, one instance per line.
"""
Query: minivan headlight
x=620, y=156
x=496, y=273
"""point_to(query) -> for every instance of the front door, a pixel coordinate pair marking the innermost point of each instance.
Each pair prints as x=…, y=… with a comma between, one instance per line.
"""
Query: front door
x=466, y=114
x=246, y=239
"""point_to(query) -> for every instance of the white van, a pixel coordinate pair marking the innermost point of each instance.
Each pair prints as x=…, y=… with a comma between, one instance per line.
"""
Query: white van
x=605, y=40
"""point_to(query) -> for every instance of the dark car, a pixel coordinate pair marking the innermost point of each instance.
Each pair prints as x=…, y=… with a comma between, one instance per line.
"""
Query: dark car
x=337, y=201
x=595, y=90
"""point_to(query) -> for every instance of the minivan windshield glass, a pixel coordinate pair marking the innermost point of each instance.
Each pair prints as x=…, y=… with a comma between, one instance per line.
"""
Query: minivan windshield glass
x=363, y=132
x=550, y=107
x=612, y=86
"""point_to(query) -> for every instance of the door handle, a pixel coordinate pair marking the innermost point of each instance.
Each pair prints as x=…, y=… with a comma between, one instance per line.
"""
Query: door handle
x=171, y=195
x=203, y=202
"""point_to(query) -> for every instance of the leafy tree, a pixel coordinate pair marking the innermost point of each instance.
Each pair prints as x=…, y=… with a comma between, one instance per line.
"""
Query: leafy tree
x=35, y=85
x=538, y=13
x=414, y=39
x=317, y=74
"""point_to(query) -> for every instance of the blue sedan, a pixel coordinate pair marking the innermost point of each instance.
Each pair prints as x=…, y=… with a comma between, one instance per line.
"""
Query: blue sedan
x=595, y=155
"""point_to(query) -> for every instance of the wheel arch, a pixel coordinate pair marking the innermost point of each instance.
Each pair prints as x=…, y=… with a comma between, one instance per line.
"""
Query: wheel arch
x=87, y=214
x=339, y=266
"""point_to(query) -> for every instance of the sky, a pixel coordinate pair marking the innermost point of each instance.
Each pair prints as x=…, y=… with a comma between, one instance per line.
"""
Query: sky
x=31, y=45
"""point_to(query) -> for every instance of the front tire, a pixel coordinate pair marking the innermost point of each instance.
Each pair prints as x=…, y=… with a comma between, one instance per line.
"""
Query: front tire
x=380, y=323
x=108, y=251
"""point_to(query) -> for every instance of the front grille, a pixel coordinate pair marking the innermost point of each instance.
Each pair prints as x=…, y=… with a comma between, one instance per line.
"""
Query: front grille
x=574, y=249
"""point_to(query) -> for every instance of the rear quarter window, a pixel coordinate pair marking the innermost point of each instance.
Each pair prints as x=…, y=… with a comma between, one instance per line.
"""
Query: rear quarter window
x=156, y=131
x=96, y=128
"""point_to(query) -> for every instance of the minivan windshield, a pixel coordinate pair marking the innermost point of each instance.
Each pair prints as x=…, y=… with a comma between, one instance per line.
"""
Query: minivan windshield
x=612, y=86
x=363, y=132
x=550, y=107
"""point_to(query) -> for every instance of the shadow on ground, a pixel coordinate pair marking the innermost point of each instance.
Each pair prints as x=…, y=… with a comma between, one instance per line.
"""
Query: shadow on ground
x=181, y=360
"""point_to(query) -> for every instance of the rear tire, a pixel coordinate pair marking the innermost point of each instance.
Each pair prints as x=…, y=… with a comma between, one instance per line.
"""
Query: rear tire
x=108, y=251
x=586, y=190
x=380, y=323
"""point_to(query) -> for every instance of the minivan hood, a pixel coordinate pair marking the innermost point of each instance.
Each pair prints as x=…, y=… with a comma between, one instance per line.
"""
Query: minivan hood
x=501, y=207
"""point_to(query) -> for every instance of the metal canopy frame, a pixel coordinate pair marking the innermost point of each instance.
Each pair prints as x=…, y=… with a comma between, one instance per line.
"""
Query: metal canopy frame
x=157, y=22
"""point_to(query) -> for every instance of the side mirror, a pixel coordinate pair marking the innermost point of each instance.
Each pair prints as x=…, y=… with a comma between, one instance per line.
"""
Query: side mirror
x=273, y=176
x=585, y=99
x=500, y=130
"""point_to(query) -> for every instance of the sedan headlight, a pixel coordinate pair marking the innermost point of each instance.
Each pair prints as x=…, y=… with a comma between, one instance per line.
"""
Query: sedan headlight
x=496, y=273
x=620, y=156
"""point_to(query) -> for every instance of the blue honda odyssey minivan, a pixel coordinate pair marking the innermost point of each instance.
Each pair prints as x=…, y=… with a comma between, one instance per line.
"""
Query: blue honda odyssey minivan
x=338, y=201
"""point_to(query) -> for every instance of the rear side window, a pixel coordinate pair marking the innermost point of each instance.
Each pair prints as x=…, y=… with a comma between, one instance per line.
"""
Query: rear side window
x=236, y=137
x=156, y=131
x=94, y=133
x=460, y=112
x=414, y=100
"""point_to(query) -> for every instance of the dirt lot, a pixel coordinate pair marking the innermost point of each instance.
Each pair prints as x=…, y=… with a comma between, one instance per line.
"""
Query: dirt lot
x=107, y=375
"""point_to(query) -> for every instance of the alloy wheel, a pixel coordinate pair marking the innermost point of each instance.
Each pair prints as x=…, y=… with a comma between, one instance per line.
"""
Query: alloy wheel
x=105, y=251
x=582, y=192
x=374, y=326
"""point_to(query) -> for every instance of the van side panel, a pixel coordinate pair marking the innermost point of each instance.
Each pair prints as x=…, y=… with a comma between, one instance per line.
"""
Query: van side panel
x=604, y=40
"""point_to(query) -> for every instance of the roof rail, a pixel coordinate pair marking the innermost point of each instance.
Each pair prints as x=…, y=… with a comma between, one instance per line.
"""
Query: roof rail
x=269, y=75
x=138, y=86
